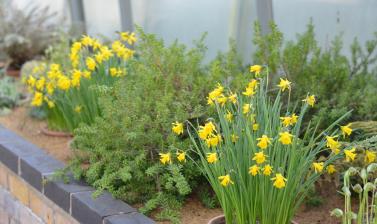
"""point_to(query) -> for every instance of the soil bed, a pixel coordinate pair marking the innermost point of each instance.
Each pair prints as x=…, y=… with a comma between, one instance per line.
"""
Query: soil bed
x=193, y=211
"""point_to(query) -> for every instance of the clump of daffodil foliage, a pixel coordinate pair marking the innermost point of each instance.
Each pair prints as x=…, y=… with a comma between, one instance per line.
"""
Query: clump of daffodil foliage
x=69, y=91
x=121, y=148
x=342, y=79
x=256, y=155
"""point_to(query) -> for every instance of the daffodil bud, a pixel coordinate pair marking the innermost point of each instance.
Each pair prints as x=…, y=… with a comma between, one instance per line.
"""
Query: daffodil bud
x=337, y=213
x=369, y=187
x=363, y=174
x=352, y=171
x=357, y=188
x=346, y=191
x=351, y=215
x=372, y=167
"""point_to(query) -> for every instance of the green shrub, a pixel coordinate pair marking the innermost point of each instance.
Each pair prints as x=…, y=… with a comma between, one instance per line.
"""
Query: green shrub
x=340, y=83
x=10, y=96
x=121, y=149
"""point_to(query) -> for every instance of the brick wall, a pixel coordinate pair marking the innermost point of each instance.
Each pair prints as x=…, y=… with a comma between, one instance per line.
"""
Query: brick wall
x=26, y=183
x=21, y=203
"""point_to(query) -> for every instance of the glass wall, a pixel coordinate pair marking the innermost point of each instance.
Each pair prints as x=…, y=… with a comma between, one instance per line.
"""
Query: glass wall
x=353, y=18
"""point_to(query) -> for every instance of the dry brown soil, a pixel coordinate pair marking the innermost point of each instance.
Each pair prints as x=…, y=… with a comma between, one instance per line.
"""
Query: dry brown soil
x=193, y=212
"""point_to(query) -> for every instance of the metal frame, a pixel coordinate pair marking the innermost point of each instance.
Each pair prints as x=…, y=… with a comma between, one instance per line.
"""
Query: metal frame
x=126, y=15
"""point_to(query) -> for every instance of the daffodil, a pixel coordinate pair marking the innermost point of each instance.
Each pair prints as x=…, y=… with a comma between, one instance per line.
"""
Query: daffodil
x=330, y=169
x=267, y=170
x=234, y=138
x=310, y=100
x=284, y=84
x=255, y=127
x=212, y=157
x=64, y=83
x=263, y=141
x=346, y=130
x=37, y=99
x=350, y=154
x=259, y=157
x=246, y=108
x=318, y=167
x=165, y=158
x=249, y=92
x=286, y=121
x=253, y=84
x=229, y=116
x=78, y=109
x=225, y=180
x=213, y=140
x=294, y=118
x=256, y=69
x=181, y=156
x=333, y=144
x=90, y=63
x=285, y=138
x=254, y=170
x=221, y=99
x=206, y=130
x=370, y=156
x=177, y=128
x=279, y=181
x=233, y=98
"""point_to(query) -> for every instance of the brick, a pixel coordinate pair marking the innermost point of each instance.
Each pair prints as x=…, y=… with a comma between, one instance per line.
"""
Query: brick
x=60, y=192
x=18, y=188
x=4, y=217
x=40, y=206
x=63, y=218
x=34, y=168
x=87, y=210
x=3, y=176
x=131, y=218
x=12, y=147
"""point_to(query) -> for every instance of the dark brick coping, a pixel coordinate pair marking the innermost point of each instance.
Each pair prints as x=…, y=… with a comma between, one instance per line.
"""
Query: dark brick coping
x=34, y=166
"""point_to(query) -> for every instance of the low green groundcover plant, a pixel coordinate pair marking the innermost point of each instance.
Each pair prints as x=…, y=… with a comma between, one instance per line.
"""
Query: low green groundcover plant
x=257, y=157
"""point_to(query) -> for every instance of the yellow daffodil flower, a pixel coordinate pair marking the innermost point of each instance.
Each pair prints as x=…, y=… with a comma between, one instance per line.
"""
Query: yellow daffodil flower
x=285, y=138
x=318, y=167
x=225, y=180
x=263, y=141
x=346, y=130
x=177, y=128
x=279, y=181
x=267, y=170
x=350, y=154
x=165, y=158
x=229, y=116
x=330, y=169
x=284, y=84
x=255, y=127
x=310, y=100
x=234, y=138
x=246, y=108
x=254, y=170
x=370, y=156
x=259, y=157
x=181, y=156
x=212, y=157
x=256, y=69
